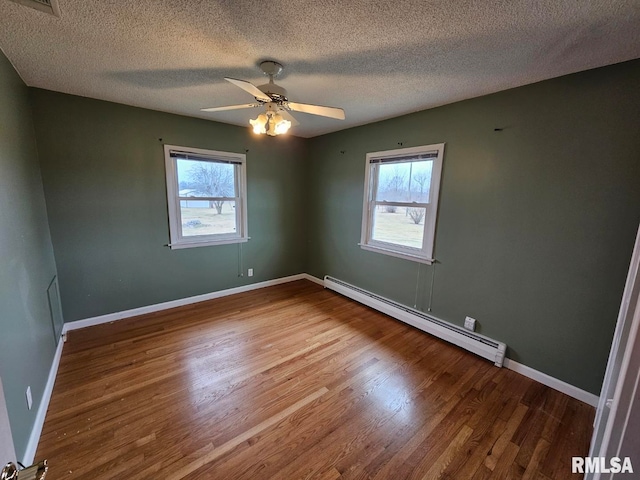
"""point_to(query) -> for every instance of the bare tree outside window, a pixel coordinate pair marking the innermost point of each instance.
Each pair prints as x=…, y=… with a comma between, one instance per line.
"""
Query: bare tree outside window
x=396, y=184
x=416, y=214
x=422, y=179
x=393, y=186
x=213, y=180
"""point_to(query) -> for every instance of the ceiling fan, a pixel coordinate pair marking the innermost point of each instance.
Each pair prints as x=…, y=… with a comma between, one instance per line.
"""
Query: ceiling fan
x=276, y=118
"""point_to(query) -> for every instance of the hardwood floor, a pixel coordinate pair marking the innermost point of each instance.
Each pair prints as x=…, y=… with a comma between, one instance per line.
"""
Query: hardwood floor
x=295, y=381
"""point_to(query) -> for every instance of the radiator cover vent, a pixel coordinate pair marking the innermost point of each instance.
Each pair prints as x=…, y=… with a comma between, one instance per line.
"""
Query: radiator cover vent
x=46, y=6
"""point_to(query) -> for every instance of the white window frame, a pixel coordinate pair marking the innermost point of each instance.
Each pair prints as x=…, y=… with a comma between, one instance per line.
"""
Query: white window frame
x=424, y=254
x=173, y=198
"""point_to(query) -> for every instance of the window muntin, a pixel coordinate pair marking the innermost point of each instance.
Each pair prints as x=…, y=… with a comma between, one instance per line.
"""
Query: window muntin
x=206, y=197
x=401, y=201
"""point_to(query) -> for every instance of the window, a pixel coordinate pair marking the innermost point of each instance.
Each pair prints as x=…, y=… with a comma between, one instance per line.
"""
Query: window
x=206, y=194
x=401, y=202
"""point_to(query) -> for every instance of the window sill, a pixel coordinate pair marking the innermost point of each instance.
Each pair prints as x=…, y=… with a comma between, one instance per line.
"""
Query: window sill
x=393, y=253
x=207, y=243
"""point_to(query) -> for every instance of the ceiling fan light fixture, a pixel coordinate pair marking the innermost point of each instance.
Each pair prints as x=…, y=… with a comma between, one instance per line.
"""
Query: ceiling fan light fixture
x=271, y=124
x=260, y=124
x=282, y=126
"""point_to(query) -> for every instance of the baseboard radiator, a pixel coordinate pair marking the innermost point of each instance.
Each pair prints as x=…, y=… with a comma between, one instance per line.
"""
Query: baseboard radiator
x=473, y=342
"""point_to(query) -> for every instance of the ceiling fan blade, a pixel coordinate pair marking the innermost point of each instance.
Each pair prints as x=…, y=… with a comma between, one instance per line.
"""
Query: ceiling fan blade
x=287, y=116
x=332, y=112
x=249, y=88
x=229, y=107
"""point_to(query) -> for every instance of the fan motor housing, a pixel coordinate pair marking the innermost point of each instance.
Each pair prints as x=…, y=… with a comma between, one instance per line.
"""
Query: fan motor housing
x=276, y=92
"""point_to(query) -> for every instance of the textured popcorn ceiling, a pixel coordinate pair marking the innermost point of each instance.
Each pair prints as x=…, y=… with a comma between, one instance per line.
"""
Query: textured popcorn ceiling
x=374, y=59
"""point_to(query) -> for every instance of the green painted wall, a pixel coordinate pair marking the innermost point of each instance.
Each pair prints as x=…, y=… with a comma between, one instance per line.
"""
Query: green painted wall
x=27, y=263
x=536, y=222
x=534, y=235
x=103, y=172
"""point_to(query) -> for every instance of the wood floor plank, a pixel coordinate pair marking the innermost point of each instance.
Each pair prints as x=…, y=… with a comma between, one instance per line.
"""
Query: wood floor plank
x=450, y=453
x=295, y=381
x=506, y=460
x=486, y=426
x=538, y=456
x=203, y=459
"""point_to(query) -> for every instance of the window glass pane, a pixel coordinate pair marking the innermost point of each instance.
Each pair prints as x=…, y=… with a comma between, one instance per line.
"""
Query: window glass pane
x=201, y=217
x=404, y=182
x=205, y=179
x=399, y=225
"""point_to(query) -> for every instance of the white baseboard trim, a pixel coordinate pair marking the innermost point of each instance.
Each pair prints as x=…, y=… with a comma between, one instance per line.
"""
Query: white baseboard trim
x=549, y=381
x=111, y=317
x=36, y=431
x=313, y=279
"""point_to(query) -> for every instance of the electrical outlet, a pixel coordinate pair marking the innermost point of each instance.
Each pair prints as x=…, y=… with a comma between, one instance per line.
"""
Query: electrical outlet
x=29, y=398
x=470, y=324
x=250, y=272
